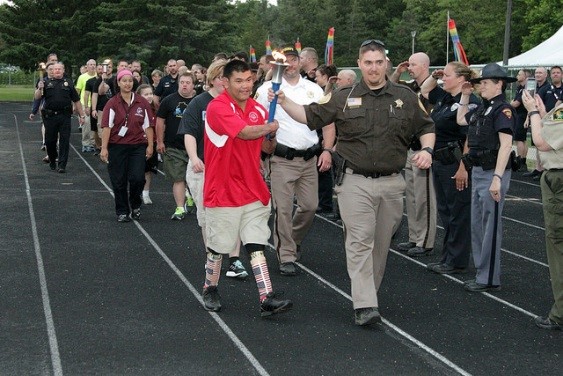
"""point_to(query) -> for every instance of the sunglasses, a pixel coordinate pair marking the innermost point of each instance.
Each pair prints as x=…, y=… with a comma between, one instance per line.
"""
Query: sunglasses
x=372, y=41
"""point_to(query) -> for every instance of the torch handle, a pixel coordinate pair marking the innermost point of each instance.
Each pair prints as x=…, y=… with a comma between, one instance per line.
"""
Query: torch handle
x=274, y=102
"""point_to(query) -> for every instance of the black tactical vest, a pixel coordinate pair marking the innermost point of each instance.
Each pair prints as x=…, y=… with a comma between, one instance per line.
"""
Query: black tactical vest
x=481, y=134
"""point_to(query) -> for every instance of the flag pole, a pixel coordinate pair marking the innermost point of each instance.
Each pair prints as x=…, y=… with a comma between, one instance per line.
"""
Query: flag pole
x=448, y=39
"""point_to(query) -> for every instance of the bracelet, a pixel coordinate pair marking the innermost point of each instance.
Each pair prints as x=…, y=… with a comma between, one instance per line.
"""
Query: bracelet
x=498, y=176
x=533, y=113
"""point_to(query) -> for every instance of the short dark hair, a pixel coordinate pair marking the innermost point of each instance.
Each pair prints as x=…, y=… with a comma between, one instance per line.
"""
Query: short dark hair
x=556, y=67
x=235, y=65
x=327, y=70
x=372, y=45
x=241, y=55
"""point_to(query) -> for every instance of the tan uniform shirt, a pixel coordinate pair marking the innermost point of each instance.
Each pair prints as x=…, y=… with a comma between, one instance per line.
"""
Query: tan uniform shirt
x=374, y=130
x=552, y=133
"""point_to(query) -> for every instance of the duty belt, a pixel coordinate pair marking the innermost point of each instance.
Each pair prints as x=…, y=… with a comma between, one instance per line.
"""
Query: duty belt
x=290, y=153
x=369, y=174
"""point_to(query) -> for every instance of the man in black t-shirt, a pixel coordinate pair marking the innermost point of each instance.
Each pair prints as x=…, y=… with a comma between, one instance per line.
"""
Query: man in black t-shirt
x=170, y=144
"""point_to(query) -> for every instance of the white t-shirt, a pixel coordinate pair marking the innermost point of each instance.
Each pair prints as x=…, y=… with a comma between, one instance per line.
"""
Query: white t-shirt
x=292, y=133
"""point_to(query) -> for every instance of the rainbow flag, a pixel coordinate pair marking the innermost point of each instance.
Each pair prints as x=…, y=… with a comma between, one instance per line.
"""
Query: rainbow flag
x=329, y=49
x=252, y=55
x=298, y=46
x=268, y=46
x=459, y=52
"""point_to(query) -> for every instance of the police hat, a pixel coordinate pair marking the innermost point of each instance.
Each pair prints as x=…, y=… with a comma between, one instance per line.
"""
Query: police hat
x=289, y=50
x=493, y=71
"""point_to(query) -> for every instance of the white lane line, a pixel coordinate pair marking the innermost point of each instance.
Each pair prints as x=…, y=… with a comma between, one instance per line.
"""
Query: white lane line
x=523, y=223
x=525, y=257
x=525, y=182
x=222, y=324
x=401, y=332
x=51, y=332
x=535, y=201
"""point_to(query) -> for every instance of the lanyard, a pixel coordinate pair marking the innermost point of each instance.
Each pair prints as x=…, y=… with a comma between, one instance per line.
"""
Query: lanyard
x=126, y=108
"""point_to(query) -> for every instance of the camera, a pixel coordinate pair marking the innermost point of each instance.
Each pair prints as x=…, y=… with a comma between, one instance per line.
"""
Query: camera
x=105, y=66
x=531, y=86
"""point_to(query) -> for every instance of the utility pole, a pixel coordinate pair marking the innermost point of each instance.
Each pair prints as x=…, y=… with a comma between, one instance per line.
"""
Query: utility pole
x=507, y=33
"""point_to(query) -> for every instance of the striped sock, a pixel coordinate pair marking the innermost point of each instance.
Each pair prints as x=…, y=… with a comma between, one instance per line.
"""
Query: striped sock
x=212, y=270
x=261, y=274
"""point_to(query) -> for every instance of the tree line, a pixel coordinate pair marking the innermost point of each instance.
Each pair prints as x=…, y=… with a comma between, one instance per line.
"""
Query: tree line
x=153, y=31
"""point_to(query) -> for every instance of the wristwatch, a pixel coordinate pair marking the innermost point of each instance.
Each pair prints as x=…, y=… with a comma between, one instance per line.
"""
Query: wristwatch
x=429, y=150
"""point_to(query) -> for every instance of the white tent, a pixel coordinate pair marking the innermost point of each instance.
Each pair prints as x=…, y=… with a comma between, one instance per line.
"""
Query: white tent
x=547, y=53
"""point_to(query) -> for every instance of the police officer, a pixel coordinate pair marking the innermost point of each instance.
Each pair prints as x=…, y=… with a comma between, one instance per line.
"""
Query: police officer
x=375, y=120
x=420, y=195
x=451, y=179
x=548, y=138
x=489, y=138
x=59, y=94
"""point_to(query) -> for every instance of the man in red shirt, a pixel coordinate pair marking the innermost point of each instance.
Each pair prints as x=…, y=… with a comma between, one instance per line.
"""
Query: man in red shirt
x=235, y=196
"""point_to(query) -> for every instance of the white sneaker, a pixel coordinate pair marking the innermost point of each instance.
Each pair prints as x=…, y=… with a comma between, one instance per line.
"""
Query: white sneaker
x=147, y=200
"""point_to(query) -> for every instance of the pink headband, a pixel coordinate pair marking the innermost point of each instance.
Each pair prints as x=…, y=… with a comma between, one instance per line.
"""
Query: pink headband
x=123, y=72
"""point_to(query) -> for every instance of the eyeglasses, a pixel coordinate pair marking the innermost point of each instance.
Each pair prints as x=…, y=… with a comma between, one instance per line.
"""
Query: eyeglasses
x=372, y=41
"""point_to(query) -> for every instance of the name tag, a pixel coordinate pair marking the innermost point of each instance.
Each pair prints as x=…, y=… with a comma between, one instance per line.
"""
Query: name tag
x=353, y=102
x=122, y=131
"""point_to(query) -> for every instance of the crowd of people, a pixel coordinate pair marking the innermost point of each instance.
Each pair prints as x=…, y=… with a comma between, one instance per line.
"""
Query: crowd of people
x=450, y=130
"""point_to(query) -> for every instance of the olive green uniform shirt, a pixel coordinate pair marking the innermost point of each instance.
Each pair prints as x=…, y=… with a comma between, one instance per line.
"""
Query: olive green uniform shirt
x=374, y=130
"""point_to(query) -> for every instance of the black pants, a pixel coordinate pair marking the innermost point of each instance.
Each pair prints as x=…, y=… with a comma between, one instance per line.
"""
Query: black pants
x=57, y=127
x=127, y=166
x=325, y=190
x=454, y=210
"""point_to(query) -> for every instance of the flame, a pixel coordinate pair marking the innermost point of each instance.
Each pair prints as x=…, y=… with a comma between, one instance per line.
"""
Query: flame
x=278, y=57
x=41, y=66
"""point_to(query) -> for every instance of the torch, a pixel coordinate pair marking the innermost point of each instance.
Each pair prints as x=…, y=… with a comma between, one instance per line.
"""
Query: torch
x=278, y=67
x=41, y=67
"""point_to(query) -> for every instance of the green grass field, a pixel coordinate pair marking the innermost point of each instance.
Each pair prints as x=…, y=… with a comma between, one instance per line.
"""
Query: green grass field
x=16, y=93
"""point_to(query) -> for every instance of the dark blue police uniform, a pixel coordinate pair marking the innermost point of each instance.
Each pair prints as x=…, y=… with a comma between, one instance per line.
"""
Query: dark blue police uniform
x=550, y=95
x=454, y=206
x=59, y=95
x=493, y=117
x=167, y=85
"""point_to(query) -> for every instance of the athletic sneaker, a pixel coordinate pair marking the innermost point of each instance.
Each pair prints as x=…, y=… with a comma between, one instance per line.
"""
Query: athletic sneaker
x=147, y=200
x=236, y=270
x=272, y=305
x=123, y=218
x=136, y=214
x=178, y=214
x=190, y=205
x=211, y=299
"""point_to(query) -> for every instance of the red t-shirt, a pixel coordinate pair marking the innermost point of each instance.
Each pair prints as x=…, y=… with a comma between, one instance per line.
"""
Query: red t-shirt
x=138, y=116
x=232, y=165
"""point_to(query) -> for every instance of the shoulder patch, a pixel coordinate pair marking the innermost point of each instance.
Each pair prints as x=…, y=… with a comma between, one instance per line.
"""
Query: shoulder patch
x=507, y=112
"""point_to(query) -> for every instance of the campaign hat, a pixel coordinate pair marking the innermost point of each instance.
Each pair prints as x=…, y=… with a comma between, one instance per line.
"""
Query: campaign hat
x=493, y=71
